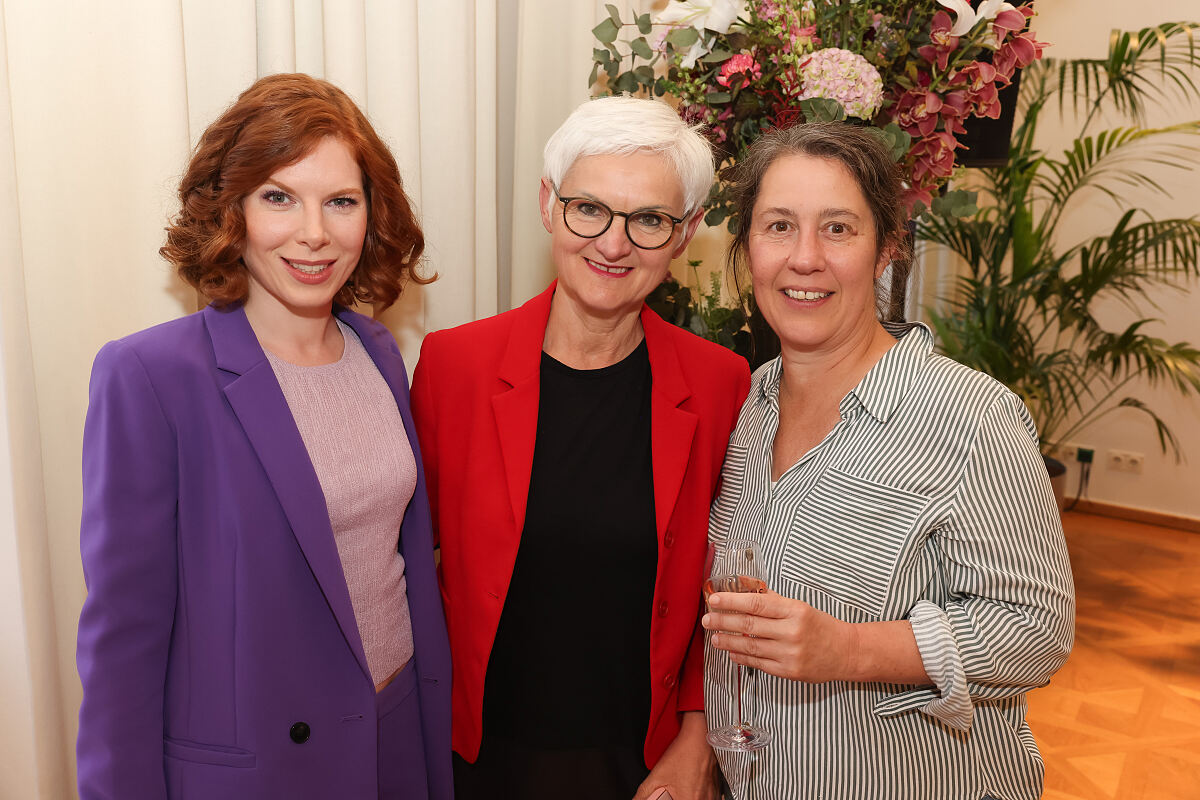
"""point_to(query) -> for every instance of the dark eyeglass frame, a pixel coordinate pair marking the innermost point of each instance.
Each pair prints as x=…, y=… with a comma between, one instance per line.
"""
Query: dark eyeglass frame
x=613, y=214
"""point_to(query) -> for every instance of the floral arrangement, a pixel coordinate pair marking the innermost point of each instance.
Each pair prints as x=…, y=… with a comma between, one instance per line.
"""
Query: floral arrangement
x=912, y=70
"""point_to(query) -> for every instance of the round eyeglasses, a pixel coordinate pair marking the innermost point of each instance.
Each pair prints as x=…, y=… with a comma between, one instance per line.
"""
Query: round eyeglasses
x=588, y=218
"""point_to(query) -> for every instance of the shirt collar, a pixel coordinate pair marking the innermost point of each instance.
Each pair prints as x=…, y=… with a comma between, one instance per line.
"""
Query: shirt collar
x=885, y=384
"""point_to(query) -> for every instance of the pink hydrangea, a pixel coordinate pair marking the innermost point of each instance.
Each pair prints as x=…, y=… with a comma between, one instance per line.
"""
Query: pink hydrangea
x=844, y=76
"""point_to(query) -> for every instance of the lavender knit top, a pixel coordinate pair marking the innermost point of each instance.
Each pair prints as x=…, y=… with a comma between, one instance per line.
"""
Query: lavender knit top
x=355, y=438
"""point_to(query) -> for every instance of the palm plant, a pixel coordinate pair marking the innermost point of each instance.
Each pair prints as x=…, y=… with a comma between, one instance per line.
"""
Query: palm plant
x=1025, y=310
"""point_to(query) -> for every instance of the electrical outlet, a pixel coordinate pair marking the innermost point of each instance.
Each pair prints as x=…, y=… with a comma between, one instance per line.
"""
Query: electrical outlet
x=1125, y=461
x=1070, y=452
x=1084, y=455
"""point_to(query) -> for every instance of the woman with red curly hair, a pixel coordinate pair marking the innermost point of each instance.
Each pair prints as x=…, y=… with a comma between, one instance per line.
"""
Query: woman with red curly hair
x=263, y=617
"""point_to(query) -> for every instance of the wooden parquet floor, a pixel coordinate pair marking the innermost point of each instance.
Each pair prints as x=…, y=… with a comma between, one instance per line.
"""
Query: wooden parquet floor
x=1121, y=721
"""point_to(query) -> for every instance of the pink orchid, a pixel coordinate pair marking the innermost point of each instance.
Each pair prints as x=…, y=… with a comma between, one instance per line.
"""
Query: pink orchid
x=941, y=42
x=934, y=156
x=939, y=32
x=976, y=75
x=917, y=112
x=1006, y=22
x=978, y=80
x=956, y=107
x=1018, y=52
x=987, y=102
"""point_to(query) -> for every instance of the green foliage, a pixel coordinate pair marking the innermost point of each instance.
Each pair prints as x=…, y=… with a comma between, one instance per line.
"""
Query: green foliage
x=1026, y=311
x=737, y=326
x=822, y=109
x=704, y=315
x=897, y=140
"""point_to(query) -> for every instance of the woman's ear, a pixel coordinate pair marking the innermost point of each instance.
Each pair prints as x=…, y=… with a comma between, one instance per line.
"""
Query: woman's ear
x=544, y=201
x=690, y=226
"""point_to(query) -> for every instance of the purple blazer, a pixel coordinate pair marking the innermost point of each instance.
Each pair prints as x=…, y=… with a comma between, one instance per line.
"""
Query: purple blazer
x=218, y=650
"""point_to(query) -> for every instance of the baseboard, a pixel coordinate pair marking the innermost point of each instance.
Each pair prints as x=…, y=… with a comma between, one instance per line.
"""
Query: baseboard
x=1138, y=515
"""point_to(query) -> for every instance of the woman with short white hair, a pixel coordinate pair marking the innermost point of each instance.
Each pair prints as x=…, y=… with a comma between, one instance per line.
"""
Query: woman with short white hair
x=573, y=447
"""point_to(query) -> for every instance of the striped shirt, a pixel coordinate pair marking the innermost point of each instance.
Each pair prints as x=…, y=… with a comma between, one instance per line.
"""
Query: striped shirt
x=928, y=501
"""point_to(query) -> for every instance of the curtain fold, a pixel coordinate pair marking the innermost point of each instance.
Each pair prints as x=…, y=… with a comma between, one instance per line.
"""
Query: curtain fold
x=32, y=735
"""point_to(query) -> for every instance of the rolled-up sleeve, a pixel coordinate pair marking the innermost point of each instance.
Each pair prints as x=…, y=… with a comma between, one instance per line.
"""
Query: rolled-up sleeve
x=1008, y=620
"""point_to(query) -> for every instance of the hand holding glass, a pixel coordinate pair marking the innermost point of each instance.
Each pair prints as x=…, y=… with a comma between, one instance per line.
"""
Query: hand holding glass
x=739, y=569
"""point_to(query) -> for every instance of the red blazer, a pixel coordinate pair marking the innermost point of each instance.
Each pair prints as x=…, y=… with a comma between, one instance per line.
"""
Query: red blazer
x=475, y=401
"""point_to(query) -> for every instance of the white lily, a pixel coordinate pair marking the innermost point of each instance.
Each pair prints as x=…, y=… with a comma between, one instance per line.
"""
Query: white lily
x=967, y=17
x=715, y=15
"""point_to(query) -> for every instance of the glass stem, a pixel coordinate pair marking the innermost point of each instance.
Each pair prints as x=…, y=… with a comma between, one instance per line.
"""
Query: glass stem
x=741, y=720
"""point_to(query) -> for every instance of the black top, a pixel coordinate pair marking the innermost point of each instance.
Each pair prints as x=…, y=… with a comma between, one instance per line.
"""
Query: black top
x=570, y=667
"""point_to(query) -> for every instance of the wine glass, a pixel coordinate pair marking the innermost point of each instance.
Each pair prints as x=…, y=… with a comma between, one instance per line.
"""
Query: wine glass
x=738, y=569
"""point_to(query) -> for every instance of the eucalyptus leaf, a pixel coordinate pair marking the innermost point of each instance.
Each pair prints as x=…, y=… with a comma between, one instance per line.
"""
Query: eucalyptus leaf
x=956, y=203
x=897, y=140
x=717, y=56
x=606, y=31
x=715, y=216
x=626, y=82
x=644, y=25
x=715, y=98
x=614, y=14
x=683, y=38
x=641, y=49
x=822, y=109
x=645, y=75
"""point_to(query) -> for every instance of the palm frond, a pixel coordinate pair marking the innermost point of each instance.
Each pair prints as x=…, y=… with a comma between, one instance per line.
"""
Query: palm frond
x=1116, y=159
x=1134, y=255
x=1132, y=352
x=1139, y=66
x=979, y=241
x=1167, y=441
